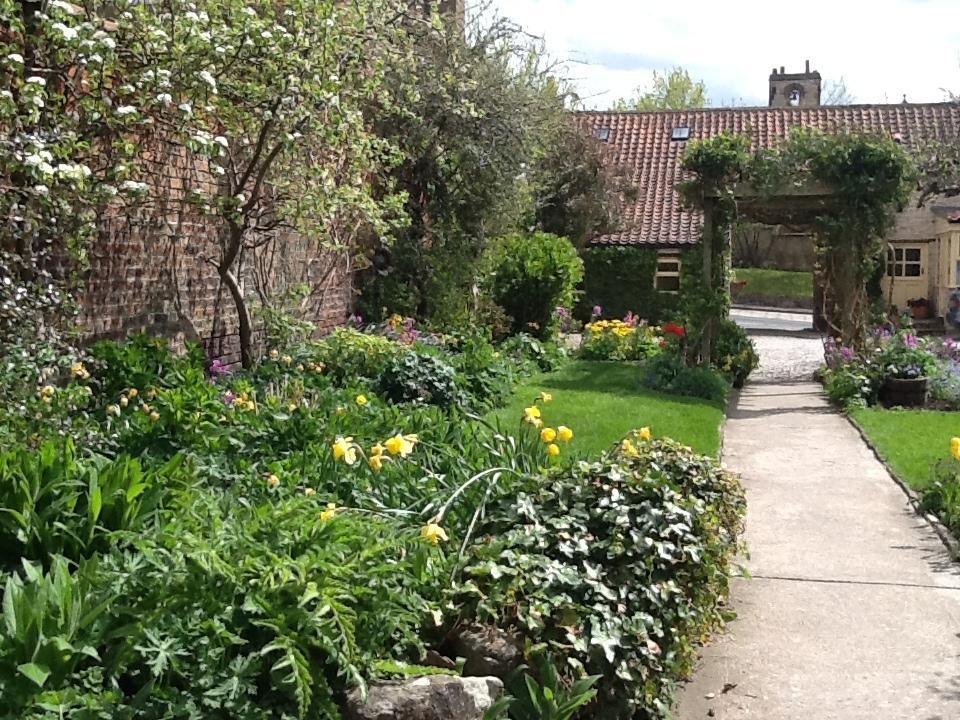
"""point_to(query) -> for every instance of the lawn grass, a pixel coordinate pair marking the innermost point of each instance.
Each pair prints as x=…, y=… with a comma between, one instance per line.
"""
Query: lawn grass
x=776, y=283
x=603, y=401
x=911, y=441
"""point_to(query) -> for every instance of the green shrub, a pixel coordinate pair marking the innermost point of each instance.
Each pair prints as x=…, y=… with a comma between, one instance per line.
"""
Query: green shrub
x=667, y=373
x=942, y=496
x=851, y=385
x=142, y=362
x=620, y=567
x=483, y=374
x=530, y=276
x=349, y=354
x=420, y=378
x=533, y=355
x=734, y=353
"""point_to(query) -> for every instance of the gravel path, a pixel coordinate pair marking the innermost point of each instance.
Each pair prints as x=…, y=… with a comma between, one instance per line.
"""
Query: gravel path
x=784, y=358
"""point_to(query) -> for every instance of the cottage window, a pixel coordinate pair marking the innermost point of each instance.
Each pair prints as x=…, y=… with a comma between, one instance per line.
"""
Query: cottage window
x=667, y=278
x=904, y=262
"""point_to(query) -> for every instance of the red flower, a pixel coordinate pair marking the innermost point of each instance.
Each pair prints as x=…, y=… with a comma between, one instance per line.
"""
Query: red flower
x=673, y=329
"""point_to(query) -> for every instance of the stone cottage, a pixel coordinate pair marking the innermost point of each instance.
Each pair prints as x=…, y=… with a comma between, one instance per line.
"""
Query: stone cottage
x=657, y=233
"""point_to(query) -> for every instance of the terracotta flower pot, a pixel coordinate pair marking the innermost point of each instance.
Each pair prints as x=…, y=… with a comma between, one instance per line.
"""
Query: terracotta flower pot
x=899, y=392
x=920, y=312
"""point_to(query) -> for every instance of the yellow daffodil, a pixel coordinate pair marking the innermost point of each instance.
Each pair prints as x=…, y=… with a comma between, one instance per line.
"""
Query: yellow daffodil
x=644, y=434
x=272, y=480
x=629, y=448
x=401, y=445
x=286, y=360
x=123, y=401
x=548, y=435
x=132, y=393
x=154, y=416
x=274, y=354
x=531, y=414
x=330, y=513
x=151, y=394
x=344, y=449
x=78, y=370
x=377, y=449
x=433, y=533
x=564, y=433
x=48, y=391
x=537, y=423
x=955, y=447
x=553, y=449
x=113, y=410
x=375, y=462
x=546, y=397
x=362, y=400
x=309, y=492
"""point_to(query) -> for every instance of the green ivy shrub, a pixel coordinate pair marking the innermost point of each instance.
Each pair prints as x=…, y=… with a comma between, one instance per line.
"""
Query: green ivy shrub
x=421, y=378
x=734, y=353
x=530, y=276
x=619, y=566
x=532, y=354
x=668, y=373
x=349, y=354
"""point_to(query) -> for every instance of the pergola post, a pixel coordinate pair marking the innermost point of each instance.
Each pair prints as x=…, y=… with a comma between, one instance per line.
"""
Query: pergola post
x=706, y=338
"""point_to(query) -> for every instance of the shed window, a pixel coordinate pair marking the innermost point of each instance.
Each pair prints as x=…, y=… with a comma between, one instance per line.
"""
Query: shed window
x=680, y=133
x=904, y=262
x=667, y=278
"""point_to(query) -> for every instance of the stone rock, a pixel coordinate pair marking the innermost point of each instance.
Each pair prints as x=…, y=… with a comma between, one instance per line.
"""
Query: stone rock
x=488, y=650
x=435, y=697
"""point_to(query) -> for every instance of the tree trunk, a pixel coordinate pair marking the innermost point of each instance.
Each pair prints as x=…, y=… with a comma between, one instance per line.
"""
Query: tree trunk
x=244, y=321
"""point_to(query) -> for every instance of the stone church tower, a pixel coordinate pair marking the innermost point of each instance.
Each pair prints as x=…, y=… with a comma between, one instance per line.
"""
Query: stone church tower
x=795, y=89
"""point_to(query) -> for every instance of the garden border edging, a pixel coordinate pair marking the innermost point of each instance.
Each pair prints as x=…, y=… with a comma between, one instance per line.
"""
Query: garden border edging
x=946, y=537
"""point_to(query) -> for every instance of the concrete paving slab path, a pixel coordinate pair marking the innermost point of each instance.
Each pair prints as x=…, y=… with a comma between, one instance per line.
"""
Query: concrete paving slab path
x=853, y=609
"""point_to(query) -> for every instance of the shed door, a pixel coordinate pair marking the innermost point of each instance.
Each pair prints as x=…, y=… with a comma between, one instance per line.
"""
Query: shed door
x=906, y=273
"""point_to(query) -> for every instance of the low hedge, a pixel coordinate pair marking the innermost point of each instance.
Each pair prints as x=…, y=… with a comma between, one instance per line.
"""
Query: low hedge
x=618, y=567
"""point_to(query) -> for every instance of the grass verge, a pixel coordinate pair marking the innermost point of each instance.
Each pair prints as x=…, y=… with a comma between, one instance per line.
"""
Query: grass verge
x=603, y=401
x=762, y=282
x=910, y=441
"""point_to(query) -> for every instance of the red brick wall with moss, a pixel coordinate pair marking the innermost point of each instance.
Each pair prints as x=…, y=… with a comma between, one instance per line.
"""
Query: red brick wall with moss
x=149, y=272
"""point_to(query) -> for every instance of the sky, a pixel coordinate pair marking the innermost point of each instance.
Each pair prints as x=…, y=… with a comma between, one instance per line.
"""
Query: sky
x=882, y=49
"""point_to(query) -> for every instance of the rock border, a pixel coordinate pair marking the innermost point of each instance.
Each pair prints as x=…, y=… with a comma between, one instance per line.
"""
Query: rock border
x=946, y=537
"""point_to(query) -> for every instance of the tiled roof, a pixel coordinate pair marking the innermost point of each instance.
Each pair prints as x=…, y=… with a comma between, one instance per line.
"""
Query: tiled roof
x=641, y=141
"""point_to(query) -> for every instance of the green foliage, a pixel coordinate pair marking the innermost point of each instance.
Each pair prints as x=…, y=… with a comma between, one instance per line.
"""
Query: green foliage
x=530, y=276
x=54, y=504
x=484, y=375
x=348, y=354
x=942, y=496
x=533, y=354
x=621, y=279
x=548, y=699
x=618, y=566
x=734, y=353
x=672, y=90
x=419, y=377
x=143, y=362
x=668, y=373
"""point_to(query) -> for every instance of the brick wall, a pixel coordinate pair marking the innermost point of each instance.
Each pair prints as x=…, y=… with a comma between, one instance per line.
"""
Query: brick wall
x=148, y=271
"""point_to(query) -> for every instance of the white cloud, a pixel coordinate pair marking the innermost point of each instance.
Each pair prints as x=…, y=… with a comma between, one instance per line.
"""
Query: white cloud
x=882, y=48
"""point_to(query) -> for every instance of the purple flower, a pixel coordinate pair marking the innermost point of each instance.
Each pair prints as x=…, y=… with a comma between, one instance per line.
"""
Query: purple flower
x=911, y=341
x=631, y=320
x=597, y=312
x=218, y=370
x=356, y=320
x=847, y=353
x=229, y=398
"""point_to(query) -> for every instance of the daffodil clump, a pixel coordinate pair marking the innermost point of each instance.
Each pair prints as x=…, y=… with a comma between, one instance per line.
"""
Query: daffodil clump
x=627, y=339
x=550, y=437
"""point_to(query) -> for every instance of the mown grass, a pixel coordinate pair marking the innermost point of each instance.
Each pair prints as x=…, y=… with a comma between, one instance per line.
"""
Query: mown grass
x=603, y=401
x=911, y=441
x=776, y=283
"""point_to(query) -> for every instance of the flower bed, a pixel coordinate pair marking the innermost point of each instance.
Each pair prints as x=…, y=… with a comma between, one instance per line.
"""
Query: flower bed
x=197, y=542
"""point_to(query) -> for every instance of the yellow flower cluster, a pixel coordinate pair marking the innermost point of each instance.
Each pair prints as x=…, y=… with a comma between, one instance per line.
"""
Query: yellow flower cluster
x=548, y=435
x=78, y=370
x=433, y=533
x=617, y=327
x=955, y=448
x=346, y=450
x=243, y=402
x=642, y=435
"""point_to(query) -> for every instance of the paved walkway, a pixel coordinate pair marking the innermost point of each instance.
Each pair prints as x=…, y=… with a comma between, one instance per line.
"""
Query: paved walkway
x=853, y=609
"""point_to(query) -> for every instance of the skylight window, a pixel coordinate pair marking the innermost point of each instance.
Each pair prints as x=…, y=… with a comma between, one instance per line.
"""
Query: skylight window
x=602, y=133
x=680, y=133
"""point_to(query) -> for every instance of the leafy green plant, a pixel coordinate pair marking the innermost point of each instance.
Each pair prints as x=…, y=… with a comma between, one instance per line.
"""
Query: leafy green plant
x=530, y=276
x=548, y=699
x=619, y=340
x=619, y=566
x=668, y=373
x=349, y=354
x=543, y=356
x=418, y=377
x=734, y=353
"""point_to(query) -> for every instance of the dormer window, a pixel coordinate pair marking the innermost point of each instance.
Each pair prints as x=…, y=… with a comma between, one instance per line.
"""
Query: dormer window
x=680, y=134
x=794, y=96
x=603, y=134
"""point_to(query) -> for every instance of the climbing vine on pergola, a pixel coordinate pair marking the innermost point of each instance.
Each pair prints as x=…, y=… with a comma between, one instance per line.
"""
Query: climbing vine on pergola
x=844, y=189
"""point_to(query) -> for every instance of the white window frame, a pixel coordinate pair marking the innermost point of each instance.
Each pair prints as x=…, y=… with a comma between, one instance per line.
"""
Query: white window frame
x=895, y=263
x=673, y=270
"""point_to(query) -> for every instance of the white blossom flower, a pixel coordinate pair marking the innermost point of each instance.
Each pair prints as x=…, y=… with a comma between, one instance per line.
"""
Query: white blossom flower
x=41, y=190
x=250, y=11
x=95, y=59
x=240, y=198
x=186, y=108
x=126, y=110
x=208, y=78
x=165, y=98
x=16, y=58
x=65, y=7
x=68, y=32
x=109, y=43
x=266, y=34
x=191, y=16
x=131, y=186
x=222, y=141
x=329, y=22
x=35, y=80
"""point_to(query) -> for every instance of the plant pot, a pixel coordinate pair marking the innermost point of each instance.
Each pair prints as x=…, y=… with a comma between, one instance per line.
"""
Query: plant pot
x=920, y=312
x=897, y=392
x=737, y=286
